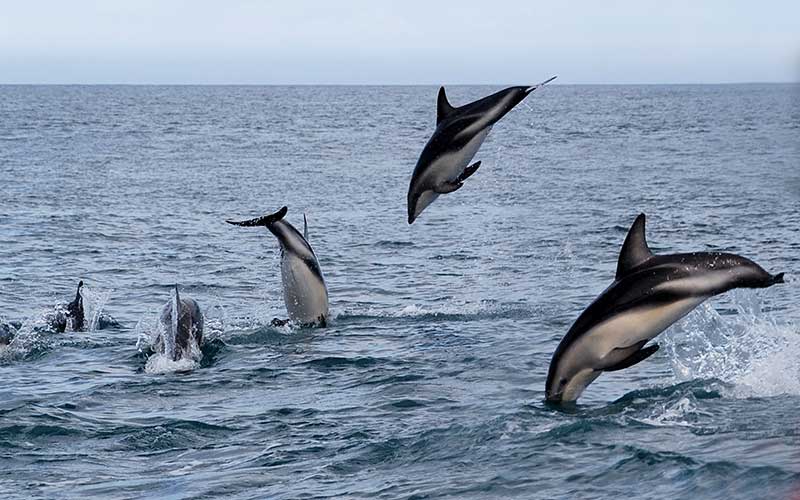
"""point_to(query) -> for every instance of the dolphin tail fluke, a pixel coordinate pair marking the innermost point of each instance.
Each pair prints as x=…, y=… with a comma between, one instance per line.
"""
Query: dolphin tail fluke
x=265, y=220
x=778, y=278
x=636, y=357
x=534, y=87
x=78, y=292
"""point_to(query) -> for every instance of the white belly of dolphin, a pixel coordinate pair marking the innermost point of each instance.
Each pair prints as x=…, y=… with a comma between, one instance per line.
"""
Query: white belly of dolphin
x=635, y=325
x=304, y=293
x=448, y=167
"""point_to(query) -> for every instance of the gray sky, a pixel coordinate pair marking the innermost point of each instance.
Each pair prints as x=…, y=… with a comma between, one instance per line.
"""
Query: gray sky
x=402, y=42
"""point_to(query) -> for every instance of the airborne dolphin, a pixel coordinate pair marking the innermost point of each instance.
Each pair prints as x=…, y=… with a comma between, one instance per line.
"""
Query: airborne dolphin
x=442, y=166
x=304, y=290
x=650, y=292
x=182, y=324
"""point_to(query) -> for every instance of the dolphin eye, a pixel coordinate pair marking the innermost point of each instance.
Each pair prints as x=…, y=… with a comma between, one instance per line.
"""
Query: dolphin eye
x=562, y=382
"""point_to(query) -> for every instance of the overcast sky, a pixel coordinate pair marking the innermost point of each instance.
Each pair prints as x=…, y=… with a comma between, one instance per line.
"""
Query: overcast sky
x=400, y=42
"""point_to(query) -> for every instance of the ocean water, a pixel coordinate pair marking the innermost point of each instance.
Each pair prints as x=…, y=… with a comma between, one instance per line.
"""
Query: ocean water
x=429, y=382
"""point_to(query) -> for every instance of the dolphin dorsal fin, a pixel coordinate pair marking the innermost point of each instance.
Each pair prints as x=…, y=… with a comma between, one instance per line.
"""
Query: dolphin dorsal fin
x=443, y=107
x=305, y=227
x=634, y=250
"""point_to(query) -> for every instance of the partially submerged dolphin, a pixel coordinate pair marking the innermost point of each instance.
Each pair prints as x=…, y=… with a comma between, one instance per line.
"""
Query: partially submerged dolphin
x=70, y=316
x=304, y=290
x=443, y=165
x=650, y=293
x=182, y=327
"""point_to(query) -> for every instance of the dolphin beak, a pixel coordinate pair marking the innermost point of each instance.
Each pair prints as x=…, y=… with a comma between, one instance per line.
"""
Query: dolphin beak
x=531, y=89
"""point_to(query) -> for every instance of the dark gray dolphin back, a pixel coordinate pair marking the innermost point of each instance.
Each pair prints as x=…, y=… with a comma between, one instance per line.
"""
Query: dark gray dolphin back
x=189, y=323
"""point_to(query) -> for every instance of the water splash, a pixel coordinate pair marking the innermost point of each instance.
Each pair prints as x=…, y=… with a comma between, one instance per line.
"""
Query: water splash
x=94, y=303
x=681, y=413
x=748, y=350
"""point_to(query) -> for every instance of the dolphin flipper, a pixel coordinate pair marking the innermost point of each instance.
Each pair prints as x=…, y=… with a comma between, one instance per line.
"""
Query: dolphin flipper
x=305, y=227
x=634, y=358
x=469, y=171
x=449, y=187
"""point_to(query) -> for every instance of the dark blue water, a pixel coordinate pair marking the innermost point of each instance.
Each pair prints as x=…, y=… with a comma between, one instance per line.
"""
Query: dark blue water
x=430, y=380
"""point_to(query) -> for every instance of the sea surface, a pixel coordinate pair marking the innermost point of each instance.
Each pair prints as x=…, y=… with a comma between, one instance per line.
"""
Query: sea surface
x=429, y=381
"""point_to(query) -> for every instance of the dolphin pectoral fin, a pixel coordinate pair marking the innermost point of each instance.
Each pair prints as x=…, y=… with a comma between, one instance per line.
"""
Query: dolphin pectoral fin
x=633, y=359
x=447, y=187
x=469, y=171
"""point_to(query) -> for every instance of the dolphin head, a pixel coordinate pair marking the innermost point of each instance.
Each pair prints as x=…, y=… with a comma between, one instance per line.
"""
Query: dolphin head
x=419, y=201
x=568, y=376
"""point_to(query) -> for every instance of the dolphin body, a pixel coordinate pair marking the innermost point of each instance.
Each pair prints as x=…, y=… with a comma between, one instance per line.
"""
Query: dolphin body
x=304, y=290
x=443, y=165
x=182, y=323
x=650, y=293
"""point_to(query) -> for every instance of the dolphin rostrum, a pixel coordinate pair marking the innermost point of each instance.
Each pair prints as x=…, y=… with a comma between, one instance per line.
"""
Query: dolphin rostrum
x=182, y=325
x=443, y=165
x=650, y=293
x=304, y=290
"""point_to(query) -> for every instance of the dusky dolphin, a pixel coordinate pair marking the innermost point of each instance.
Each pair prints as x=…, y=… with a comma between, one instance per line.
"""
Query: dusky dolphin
x=443, y=165
x=70, y=316
x=182, y=327
x=650, y=293
x=304, y=290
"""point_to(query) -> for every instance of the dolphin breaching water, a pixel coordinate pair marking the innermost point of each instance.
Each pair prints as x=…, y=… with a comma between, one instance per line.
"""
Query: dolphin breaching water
x=650, y=293
x=444, y=165
x=182, y=328
x=304, y=290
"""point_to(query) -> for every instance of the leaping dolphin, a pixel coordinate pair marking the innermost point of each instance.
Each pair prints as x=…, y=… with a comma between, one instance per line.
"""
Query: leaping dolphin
x=304, y=290
x=650, y=293
x=182, y=324
x=443, y=165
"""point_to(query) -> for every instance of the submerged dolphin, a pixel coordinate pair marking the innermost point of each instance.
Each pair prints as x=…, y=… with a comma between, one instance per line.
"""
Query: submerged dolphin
x=182, y=324
x=304, y=290
x=442, y=166
x=649, y=293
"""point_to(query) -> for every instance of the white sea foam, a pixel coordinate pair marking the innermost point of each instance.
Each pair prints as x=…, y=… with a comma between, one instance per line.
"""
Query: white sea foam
x=749, y=350
x=679, y=413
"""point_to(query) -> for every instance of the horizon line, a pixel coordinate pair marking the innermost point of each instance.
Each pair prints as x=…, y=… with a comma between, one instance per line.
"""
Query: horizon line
x=460, y=84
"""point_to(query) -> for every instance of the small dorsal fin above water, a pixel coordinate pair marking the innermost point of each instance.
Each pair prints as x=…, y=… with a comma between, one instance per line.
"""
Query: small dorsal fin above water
x=265, y=220
x=443, y=106
x=305, y=226
x=634, y=250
